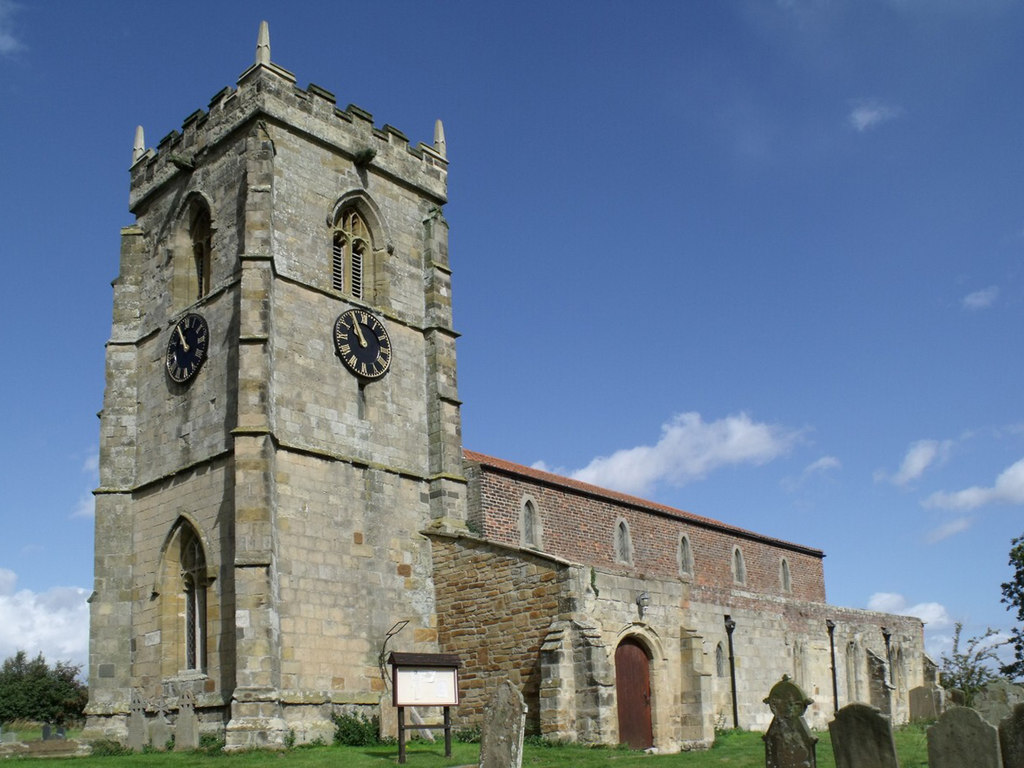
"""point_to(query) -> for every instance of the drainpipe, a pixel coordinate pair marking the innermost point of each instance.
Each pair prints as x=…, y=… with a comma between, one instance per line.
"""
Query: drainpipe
x=832, y=649
x=730, y=625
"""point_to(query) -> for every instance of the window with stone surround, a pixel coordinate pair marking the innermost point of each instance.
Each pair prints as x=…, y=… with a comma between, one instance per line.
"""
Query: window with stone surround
x=530, y=525
x=623, y=543
x=193, y=583
x=785, y=579
x=192, y=253
x=720, y=669
x=685, y=556
x=351, y=250
x=739, y=566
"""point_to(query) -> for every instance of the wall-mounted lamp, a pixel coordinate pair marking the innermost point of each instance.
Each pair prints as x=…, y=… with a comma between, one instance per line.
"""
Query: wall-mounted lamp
x=643, y=601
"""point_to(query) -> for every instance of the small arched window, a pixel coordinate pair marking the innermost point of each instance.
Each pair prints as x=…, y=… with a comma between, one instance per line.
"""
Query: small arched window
x=351, y=250
x=685, y=556
x=784, y=577
x=530, y=527
x=193, y=581
x=201, y=236
x=623, y=543
x=739, y=566
x=720, y=668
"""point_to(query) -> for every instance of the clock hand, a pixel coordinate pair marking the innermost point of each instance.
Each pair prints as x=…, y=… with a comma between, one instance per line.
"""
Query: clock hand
x=359, y=331
x=184, y=344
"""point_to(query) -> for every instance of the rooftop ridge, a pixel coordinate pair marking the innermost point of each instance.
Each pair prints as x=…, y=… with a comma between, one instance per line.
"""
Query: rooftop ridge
x=588, y=489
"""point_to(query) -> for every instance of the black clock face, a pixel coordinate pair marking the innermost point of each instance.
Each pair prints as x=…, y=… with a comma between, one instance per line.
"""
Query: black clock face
x=187, y=348
x=362, y=343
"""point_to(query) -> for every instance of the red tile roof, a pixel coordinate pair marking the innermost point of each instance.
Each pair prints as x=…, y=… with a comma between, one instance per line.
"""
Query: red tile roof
x=594, y=491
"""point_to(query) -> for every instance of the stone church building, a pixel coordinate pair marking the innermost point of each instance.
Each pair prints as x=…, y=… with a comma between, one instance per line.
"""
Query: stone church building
x=283, y=482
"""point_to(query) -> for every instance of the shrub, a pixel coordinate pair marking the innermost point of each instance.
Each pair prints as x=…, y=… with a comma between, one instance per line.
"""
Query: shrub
x=108, y=748
x=356, y=730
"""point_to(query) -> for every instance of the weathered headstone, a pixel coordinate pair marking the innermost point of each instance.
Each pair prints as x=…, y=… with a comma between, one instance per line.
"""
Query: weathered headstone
x=926, y=702
x=160, y=730
x=186, y=726
x=997, y=699
x=788, y=743
x=136, y=722
x=501, y=738
x=862, y=738
x=962, y=738
x=61, y=733
x=1011, y=738
x=47, y=731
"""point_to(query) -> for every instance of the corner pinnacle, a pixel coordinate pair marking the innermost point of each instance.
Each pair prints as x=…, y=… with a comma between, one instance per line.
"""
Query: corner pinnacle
x=263, y=44
x=139, y=147
x=440, y=146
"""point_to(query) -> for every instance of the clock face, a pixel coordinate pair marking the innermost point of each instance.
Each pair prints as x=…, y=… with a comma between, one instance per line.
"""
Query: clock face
x=362, y=343
x=187, y=348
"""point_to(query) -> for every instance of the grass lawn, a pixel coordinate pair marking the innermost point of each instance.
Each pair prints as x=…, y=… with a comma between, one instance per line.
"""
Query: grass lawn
x=732, y=750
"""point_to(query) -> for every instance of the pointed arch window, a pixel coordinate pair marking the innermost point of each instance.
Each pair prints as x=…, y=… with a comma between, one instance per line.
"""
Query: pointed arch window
x=739, y=566
x=351, y=249
x=193, y=582
x=785, y=579
x=201, y=236
x=685, y=556
x=531, y=525
x=623, y=543
x=720, y=669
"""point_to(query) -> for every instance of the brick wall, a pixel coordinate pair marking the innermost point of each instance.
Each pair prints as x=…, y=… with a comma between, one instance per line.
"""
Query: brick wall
x=577, y=522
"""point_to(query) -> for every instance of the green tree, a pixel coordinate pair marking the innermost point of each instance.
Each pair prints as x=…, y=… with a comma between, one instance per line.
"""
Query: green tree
x=1013, y=596
x=30, y=689
x=969, y=668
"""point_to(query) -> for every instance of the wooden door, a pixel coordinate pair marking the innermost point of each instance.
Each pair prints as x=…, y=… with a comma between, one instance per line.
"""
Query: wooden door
x=633, y=691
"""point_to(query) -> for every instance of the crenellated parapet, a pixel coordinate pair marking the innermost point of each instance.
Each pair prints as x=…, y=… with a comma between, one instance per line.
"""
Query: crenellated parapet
x=268, y=92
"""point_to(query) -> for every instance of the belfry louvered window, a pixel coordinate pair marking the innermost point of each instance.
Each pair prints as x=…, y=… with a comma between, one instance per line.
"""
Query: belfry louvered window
x=350, y=249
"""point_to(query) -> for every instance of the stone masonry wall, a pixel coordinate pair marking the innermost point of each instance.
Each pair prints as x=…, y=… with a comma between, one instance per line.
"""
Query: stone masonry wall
x=494, y=607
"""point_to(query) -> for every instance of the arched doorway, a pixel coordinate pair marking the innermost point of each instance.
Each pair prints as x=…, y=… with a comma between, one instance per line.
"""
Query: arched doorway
x=633, y=691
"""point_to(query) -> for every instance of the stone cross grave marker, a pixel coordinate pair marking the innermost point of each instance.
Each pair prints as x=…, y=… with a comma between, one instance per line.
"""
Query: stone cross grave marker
x=501, y=738
x=962, y=738
x=160, y=730
x=862, y=738
x=186, y=726
x=788, y=743
x=136, y=722
x=1011, y=738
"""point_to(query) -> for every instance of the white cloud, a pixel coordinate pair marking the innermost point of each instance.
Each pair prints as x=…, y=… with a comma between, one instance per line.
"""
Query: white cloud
x=932, y=614
x=982, y=299
x=54, y=623
x=868, y=113
x=688, y=450
x=9, y=43
x=1007, y=489
x=948, y=529
x=86, y=505
x=919, y=456
x=824, y=464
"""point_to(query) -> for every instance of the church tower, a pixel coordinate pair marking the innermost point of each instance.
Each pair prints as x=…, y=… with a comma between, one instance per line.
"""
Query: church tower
x=280, y=427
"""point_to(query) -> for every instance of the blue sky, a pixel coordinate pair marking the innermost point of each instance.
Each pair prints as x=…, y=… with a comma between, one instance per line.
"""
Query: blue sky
x=757, y=260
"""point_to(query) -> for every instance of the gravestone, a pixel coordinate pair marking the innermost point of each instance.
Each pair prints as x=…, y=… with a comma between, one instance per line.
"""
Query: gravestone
x=160, y=730
x=501, y=738
x=1011, y=738
x=926, y=702
x=61, y=733
x=997, y=699
x=47, y=731
x=962, y=738
x=186, y=726
x=788, y=743
x=862, y=738
x=136, y=723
